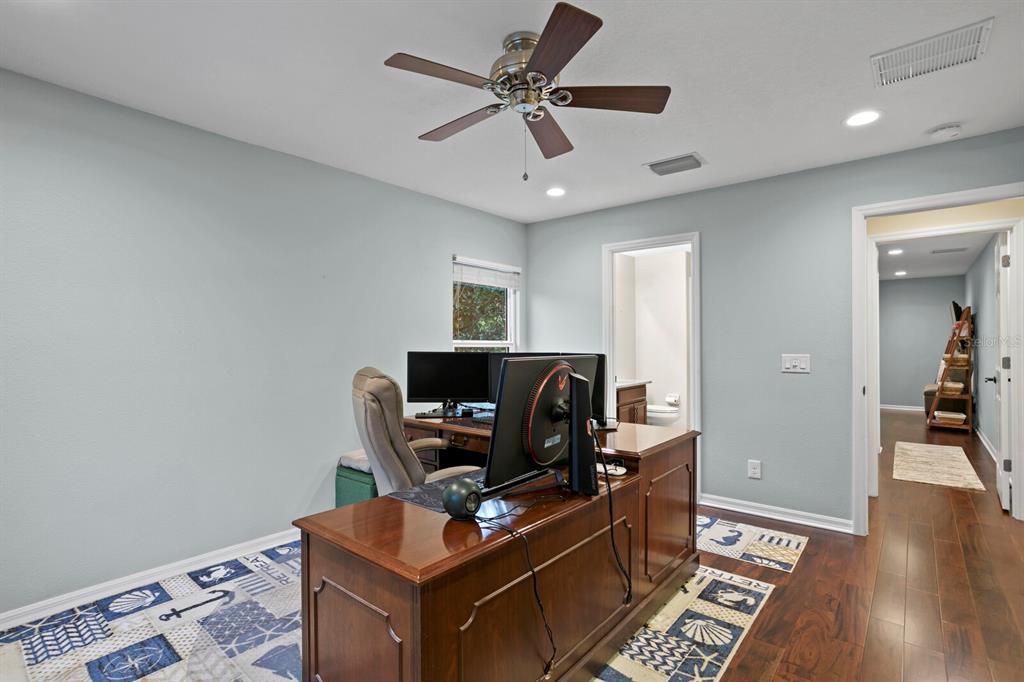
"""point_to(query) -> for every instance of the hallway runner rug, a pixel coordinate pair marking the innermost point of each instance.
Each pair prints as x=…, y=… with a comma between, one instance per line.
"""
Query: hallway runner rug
x=753, y=544
x=240, y=621
x=695, y=635
x=936, y=464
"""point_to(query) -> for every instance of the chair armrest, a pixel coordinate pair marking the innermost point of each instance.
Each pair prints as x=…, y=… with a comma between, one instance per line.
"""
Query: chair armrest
x=428, y=444
x=450, y=472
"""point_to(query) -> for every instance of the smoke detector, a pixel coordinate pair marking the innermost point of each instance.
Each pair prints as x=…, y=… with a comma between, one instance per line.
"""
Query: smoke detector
x=945, y=132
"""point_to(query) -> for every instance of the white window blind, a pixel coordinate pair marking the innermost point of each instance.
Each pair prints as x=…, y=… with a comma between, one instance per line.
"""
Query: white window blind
x=485, y=296
x=485, y=273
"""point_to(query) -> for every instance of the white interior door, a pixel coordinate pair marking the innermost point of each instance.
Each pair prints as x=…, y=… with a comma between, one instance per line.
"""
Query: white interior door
x=874, y=407
x=1002, y=388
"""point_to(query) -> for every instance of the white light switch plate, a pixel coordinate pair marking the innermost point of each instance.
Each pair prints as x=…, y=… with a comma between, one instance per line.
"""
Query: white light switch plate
x=796, y=363
x=754, y=468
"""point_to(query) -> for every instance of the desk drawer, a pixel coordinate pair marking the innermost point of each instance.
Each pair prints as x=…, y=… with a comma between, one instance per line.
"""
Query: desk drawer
x=464, y=441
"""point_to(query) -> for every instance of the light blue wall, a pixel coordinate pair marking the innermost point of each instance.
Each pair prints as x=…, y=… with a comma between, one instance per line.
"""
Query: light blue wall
x=914, y=322
x=981, y=296
x=181, y=318
x=776, y=268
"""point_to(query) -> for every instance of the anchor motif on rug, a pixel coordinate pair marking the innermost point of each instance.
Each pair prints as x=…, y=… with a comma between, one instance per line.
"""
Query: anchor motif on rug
x=227, y=595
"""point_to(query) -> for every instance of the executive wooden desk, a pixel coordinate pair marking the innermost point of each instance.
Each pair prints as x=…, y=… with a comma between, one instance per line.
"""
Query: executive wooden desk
x=392, y=591
x=664, y=456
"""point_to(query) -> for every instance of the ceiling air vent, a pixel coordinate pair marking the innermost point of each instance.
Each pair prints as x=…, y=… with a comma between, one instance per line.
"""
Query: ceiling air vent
x=676, y=164
x=959, y=46
x=939, y=252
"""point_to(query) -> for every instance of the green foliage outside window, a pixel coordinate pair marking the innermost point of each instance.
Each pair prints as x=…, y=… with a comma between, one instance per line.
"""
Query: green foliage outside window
x=479, y=313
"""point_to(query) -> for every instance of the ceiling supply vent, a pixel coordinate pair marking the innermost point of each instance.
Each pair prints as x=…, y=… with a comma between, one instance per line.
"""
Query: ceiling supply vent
x=939, y=252
x=959, y=46
x=676, y=164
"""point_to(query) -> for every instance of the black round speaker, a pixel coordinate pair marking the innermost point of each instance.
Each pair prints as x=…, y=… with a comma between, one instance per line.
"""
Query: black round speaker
x=462, y=498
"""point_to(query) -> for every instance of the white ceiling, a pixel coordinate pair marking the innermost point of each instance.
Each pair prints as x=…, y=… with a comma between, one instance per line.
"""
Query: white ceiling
x=917, y=259
x=759, y=88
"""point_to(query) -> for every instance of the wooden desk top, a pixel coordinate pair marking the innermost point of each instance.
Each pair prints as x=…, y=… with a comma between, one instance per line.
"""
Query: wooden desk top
x=420, y=545
x=464, y=425
x=629, y=440
x=639, y=440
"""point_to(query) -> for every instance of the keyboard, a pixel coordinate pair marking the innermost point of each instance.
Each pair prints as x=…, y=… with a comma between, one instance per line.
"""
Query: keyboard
x=484, y=418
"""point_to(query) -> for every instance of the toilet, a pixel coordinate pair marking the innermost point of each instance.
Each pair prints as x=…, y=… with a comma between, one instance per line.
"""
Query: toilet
x=664, y=414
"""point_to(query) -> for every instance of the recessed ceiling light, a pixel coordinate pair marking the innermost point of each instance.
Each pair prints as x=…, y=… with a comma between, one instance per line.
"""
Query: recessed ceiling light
x=862, y=118
x=555, y=192
x=895, y=252
x=900, y=273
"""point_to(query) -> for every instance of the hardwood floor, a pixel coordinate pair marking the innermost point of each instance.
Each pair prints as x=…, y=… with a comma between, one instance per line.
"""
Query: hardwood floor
x=935, y=592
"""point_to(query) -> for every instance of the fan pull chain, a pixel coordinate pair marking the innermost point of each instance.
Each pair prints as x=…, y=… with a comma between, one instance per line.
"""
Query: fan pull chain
x=526, y=176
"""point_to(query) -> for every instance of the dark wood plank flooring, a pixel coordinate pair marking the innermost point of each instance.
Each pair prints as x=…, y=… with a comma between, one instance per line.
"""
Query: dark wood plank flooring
x=934, y=593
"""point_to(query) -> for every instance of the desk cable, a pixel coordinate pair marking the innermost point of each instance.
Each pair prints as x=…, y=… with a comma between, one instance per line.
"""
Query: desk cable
x=627, y=575
x=494, y=523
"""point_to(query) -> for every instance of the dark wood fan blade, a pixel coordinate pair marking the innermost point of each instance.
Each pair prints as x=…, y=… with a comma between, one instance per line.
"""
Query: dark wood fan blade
x=567, y=31
x=459, y=124
x=647, y=99
x=549, y=136
x=407, y=62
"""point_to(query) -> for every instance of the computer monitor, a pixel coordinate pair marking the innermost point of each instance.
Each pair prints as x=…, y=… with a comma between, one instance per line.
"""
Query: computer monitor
x=532, y=418
x=597, y=391
x=446, y=377
x=597, y=379
x=494, y=369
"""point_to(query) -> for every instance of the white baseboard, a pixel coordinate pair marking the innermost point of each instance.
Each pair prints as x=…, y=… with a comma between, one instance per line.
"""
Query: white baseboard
x=778, y=513
x=41, y=609
x=992, y=451
x=903, y=408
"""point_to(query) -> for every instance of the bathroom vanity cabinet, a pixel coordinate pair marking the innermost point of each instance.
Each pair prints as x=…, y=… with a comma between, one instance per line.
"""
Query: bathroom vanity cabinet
x=631, y=403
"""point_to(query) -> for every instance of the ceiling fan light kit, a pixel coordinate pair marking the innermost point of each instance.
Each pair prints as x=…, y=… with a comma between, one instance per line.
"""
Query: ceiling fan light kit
x=525, y=79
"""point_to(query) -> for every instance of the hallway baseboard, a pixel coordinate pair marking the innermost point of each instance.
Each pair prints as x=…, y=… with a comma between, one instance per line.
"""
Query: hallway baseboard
x=902, y=408
x=992, y=451
x=778, y=513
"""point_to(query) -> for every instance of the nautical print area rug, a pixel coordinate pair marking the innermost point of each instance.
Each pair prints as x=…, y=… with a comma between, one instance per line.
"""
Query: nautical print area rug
x=237, y=620
x=240, y=621
x=694, y=636
x=936, y=464
x=755, y=545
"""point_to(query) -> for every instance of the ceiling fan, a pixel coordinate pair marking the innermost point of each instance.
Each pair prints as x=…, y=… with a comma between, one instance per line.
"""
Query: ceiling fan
x=525, y=79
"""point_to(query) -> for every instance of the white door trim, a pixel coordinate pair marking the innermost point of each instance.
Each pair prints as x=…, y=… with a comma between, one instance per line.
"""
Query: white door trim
x=860, y=309
x=608, y=251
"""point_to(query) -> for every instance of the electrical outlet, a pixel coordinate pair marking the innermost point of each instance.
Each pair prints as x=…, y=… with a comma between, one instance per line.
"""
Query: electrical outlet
x=796, y=363
x=754, y=468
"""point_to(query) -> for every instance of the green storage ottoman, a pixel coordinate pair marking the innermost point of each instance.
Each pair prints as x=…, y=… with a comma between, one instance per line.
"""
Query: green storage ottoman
x=353, y=482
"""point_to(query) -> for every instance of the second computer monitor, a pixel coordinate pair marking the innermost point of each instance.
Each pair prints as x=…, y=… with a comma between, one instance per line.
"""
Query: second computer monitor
x=447, y=377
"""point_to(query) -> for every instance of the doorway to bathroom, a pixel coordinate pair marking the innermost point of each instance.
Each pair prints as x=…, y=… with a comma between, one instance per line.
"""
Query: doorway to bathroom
x=652, y=330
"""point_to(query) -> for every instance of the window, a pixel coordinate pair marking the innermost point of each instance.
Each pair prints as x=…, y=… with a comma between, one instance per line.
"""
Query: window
x=485, y=306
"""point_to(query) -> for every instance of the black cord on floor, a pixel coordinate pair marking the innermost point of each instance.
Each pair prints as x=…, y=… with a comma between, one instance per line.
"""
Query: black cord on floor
x=628, y=597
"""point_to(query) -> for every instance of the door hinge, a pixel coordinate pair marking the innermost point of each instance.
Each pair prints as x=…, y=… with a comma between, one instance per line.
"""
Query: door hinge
x=1007, y=465
x=1006, y=261
x=1006, y=362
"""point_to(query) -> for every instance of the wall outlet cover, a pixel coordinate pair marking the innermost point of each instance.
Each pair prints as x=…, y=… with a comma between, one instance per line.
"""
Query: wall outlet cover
x=796, y=363
x=754, y=468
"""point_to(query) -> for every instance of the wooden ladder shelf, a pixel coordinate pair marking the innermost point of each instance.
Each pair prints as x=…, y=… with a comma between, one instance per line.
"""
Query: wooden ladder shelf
x=959, y=350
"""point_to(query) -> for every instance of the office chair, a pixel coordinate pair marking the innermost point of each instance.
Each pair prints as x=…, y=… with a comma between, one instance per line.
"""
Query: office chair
x=377, y=405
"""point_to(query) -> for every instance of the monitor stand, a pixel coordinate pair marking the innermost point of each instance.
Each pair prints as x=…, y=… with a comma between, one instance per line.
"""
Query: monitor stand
x=448, y=409
x=529, y=477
